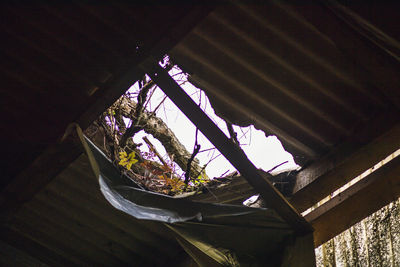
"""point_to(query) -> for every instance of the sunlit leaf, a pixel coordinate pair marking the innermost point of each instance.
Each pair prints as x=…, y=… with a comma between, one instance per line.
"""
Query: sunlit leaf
x=127, y=160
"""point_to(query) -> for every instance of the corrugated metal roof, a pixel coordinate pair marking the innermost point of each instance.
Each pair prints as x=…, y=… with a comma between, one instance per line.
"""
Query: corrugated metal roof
x=72, y=219
x=58, y=59
x=268, y=66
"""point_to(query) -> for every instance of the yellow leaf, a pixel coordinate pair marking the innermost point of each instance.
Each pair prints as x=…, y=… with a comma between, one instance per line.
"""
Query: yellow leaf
x=127, y=160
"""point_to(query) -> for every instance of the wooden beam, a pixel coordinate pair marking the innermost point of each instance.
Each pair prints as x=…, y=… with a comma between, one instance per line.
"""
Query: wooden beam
x=357, y=202
x=323, y=177
x=232, y=152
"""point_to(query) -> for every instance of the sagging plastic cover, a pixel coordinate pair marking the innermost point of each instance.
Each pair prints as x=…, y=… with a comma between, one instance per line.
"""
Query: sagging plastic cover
x=126, y=196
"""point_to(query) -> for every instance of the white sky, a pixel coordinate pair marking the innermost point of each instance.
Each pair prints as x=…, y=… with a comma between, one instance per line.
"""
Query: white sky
x=264, y=152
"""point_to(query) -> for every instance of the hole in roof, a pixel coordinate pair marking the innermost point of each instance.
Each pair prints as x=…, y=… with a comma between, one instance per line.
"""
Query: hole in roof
x=265, y=152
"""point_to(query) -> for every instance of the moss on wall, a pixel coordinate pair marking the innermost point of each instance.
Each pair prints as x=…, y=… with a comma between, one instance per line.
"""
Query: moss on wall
x=375, y=241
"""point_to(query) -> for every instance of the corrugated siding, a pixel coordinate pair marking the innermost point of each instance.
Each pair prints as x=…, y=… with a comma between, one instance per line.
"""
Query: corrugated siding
x=265, y=64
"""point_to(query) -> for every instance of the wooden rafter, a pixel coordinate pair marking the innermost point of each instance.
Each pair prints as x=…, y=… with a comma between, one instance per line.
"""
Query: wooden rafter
x=323, y=177
x=357, y=202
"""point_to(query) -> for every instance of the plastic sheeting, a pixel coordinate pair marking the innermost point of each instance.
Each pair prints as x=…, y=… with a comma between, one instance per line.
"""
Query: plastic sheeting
x=211, y=234
x=126, y=196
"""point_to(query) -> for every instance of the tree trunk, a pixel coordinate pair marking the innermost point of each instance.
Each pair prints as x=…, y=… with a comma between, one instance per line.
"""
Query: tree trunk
x=159, y=130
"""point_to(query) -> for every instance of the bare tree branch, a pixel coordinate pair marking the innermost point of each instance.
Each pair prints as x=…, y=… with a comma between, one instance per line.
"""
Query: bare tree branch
x=140, y=107
x=159, y=130
x=154, y=150
x=196, y=150
x=280, y=164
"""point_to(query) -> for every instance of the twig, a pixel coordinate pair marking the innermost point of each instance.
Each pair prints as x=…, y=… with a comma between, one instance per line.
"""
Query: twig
x=208, y=149
x=244, y=134
x=159, y=105
x=205, y=165
x=142, y=97
x=148, y=99
x=134, y=128
x=196, y=150
x=141, y=100
x=213, y=158
x=280, y=164
x=153, y=149
x=222, y=175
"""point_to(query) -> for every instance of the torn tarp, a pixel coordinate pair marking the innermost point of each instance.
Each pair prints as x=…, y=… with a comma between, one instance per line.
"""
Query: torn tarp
x=126, y=196
x=212, y=234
